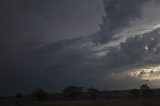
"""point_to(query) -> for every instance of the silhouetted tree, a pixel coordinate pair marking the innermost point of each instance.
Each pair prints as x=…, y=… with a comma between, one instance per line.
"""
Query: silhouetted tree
x=135, y=93
x=40, y=94
x=92, y=92
x=72, y=91
x=19, y=95
x=146, y=91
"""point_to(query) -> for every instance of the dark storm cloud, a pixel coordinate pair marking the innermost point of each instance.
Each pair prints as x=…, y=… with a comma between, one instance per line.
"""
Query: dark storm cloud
x=142, y=49
x=26, y=25
x=76, y=60
x=119, y=15
x=47, y=21
x=26, y=64
x=121, y=12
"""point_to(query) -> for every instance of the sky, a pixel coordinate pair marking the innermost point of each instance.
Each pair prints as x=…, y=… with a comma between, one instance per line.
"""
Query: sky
x=51, y=44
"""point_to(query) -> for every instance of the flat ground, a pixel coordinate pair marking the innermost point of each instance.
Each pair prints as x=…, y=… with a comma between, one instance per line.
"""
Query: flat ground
x=130, y=102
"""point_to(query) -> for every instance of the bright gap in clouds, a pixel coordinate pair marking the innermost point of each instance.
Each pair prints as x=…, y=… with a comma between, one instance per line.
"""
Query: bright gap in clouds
x=156, y=26
x=151, y=73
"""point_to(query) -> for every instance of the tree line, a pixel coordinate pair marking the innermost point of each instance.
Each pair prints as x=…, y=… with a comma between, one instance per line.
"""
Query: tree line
x=71, y=92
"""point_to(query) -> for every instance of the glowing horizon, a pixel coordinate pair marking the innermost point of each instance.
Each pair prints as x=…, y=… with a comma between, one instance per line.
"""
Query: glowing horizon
x=149, y=74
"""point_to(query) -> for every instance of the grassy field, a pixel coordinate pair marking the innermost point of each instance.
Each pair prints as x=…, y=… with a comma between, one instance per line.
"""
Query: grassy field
x=154, y=102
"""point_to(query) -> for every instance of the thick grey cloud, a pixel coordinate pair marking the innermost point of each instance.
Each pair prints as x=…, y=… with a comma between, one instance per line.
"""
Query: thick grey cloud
x=74, y=63
x=27, y=25
x=47, y=21
x=120, y=14
x=27, y=63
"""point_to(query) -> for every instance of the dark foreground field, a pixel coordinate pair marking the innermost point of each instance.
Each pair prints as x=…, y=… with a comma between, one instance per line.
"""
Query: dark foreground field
x=129, y=102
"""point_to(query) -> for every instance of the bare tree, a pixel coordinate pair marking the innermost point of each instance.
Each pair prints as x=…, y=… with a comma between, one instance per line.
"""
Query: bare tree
x=92, y=92
x=39, y=93
x=19, y=95
x=72, y=91
x=146, y=91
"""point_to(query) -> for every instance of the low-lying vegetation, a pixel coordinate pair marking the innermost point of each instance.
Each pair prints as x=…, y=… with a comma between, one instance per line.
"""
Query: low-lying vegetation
x=77, y=96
